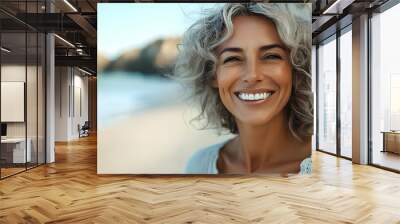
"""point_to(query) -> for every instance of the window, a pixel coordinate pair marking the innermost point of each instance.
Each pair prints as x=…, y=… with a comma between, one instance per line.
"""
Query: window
x=346, y=75
x=327, y=96
x=385, y=89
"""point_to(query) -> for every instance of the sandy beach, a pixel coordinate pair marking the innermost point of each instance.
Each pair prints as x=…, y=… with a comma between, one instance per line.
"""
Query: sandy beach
x=153, y=141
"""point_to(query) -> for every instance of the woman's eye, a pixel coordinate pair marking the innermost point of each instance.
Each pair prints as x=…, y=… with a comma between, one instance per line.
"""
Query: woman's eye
x=231, y=59
x=272, y=57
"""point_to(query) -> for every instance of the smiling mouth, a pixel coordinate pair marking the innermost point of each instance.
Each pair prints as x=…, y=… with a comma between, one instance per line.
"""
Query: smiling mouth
x=256, y=96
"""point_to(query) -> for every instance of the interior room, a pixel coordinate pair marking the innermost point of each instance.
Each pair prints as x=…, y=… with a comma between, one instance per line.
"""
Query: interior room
x=384, y=89
x=49, y=68
x=335, y=89
x=22, y=99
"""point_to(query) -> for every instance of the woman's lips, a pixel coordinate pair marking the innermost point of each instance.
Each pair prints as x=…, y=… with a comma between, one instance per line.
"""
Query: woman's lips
x=254, y=96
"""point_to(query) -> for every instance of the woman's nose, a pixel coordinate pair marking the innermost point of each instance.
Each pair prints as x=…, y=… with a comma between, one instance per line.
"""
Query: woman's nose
x=252, y=72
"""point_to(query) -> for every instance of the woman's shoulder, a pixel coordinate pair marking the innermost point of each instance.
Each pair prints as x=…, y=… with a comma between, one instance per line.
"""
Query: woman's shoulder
x=203, y=161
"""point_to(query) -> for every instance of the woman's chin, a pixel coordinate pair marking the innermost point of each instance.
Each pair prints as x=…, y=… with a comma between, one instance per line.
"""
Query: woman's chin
x=256, y=121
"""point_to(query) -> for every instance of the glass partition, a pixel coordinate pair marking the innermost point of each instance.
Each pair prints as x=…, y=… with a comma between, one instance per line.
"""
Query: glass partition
x=32, y=90
x=14, y=153
x=22, y=90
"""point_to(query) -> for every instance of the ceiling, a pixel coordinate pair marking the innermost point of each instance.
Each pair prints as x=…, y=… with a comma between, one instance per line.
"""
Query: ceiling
x=75, y=21
x=332, y=15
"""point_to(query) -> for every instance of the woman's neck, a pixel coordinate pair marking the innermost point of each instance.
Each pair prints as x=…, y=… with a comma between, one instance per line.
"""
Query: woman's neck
x=262, y=146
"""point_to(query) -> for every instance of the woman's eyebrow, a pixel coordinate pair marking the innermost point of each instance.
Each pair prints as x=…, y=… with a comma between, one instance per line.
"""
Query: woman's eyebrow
x=262, y=48
x=271, y=46
x=233, y=49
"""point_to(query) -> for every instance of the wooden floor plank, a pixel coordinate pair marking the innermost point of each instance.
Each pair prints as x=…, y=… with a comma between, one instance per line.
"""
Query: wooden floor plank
x=70, y=191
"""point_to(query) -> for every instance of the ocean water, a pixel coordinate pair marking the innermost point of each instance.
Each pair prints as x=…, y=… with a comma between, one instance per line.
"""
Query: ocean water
x=122, y=94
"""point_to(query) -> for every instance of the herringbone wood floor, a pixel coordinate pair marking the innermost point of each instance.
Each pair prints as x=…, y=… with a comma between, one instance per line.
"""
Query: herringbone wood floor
x=69, y=191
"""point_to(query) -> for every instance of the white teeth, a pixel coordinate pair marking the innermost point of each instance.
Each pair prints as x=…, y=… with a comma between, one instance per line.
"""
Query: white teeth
x=251, y=96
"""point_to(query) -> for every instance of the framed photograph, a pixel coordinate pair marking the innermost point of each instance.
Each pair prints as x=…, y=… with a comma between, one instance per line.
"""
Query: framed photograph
x=222, y=88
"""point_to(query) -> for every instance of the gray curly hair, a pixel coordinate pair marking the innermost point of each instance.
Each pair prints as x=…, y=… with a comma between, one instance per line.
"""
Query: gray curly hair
x=196, y=62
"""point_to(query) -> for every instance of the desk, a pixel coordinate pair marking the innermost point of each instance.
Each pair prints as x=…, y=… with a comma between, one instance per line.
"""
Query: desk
x=18, y=151
x=391, y=141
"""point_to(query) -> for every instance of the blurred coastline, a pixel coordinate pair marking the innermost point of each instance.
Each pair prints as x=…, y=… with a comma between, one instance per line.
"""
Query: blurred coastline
x=144, y=125
x=155, y=58
x=126, y=93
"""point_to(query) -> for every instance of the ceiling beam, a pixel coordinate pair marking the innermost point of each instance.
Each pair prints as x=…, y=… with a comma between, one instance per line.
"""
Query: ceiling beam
x=337, y=7
x=320, y=22
x=85, y=25
x=81, y=61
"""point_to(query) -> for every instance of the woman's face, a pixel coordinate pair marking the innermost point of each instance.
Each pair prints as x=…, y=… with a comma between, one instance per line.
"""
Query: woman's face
x=254, y=75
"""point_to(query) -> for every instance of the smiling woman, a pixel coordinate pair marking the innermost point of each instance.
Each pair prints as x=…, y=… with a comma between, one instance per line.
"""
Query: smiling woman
x=249, y=68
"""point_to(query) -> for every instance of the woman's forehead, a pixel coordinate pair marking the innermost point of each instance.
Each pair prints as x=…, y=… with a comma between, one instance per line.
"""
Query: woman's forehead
x=253, y=31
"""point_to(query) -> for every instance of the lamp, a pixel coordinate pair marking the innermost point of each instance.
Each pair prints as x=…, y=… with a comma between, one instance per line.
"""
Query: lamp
x=70, y=5
x=5, y=50
x=64, y=40
x=84, y=71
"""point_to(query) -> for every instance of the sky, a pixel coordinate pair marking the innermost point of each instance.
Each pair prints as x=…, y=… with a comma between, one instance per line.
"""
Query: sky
x=123, y=26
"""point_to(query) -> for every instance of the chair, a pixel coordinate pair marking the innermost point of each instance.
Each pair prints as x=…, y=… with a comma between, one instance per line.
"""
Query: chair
x=84, y=130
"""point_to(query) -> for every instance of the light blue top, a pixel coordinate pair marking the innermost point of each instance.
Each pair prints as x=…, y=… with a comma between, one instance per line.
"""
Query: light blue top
x=204, y=161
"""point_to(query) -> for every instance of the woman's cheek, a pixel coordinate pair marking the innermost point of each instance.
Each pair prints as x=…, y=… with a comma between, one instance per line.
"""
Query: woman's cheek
x=223, y=79
x=228, y=75
x=283, y=76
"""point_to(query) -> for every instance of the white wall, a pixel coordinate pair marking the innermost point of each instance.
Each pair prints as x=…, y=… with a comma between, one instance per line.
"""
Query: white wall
x=12, y=73
x=33, y=126
x=12, y=101
x=62, y=81
x=71, y=87
x=81, y=94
